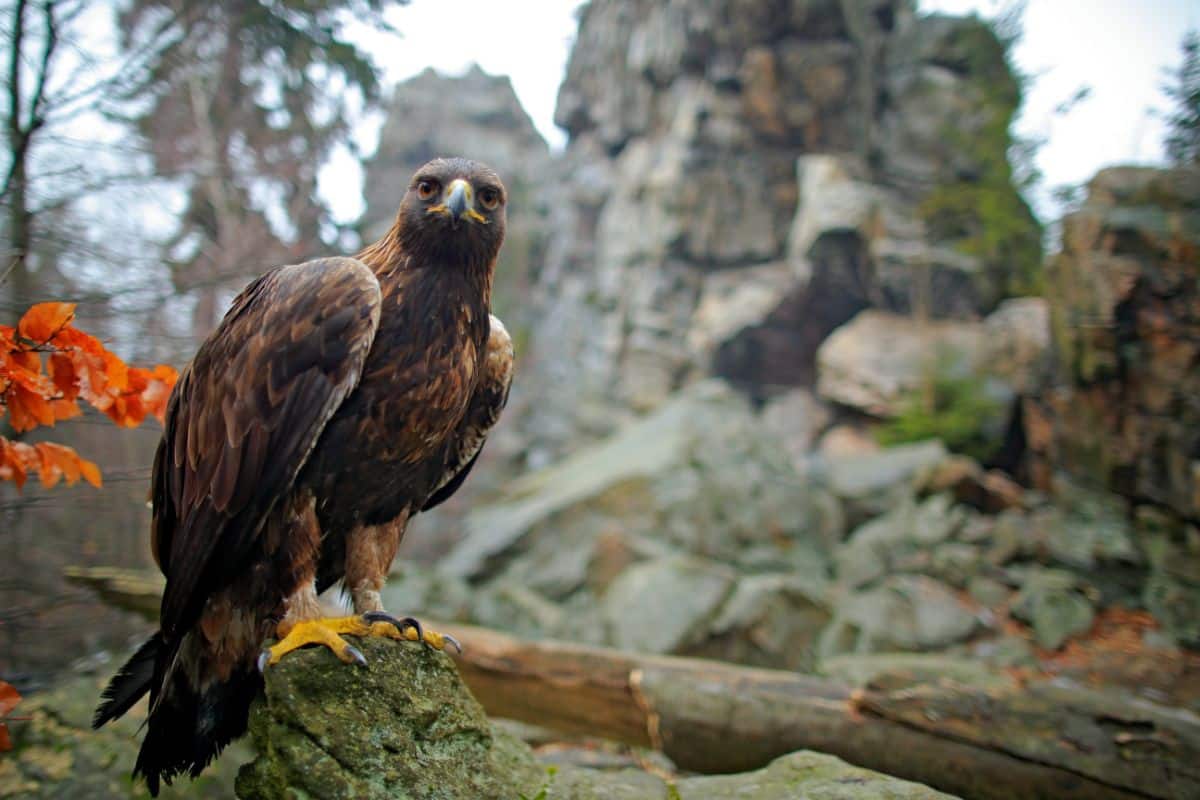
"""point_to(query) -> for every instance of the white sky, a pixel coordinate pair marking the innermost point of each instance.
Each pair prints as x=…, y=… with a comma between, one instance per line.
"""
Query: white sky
x=1118, y=48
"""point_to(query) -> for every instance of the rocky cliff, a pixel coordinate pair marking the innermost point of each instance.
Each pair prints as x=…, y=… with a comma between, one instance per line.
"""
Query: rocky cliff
x=743, y=177
x=1124, y=412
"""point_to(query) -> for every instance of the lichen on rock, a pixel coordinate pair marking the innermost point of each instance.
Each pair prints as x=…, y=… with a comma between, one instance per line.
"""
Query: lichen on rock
x=402, y=727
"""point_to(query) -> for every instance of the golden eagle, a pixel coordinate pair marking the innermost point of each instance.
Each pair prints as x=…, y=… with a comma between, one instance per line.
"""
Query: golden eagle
x=336, y=399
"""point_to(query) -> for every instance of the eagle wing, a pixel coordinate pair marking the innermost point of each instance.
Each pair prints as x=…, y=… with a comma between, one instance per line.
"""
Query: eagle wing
x=489, y=399
x=245, y=415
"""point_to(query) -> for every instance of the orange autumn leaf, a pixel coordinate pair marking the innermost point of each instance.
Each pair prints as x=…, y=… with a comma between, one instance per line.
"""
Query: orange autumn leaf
x=61, y=369
x=117, y=372
x=90, y=472
x=9, y=697
x=13, y=462
x=43, y=321
x=73, y=338
x=27, y=409
x=41, y=392
x=25, y=368
x=59, y=462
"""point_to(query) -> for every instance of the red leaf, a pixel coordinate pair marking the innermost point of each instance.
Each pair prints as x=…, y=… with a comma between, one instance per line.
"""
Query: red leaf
x=90, y=472
x=74, y=338
x=27, y=409
x=12, y=465
x=43, y=321
x=117, y=371
x=9, y=697
x=61, y=369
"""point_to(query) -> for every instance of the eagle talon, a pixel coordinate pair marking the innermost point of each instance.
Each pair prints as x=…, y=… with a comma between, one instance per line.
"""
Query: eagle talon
x=399, y=624
x=356, y=654
x=451, y=640
x=263, y=659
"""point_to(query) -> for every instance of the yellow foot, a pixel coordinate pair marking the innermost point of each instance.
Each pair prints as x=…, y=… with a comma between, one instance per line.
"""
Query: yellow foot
x=408, y=628
x=327, y=632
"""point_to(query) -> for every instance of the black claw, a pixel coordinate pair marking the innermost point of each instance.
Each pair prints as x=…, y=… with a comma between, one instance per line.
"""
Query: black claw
x=451, y=640
x=401, y=624
x=263, y=658
x=357, y=655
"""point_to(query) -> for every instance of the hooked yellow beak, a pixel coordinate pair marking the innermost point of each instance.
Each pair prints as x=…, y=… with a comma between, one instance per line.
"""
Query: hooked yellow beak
x=459, y=202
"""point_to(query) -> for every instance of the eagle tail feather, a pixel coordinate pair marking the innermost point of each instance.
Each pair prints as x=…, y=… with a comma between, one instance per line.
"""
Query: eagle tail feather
x=129, y=684
x=189, y=727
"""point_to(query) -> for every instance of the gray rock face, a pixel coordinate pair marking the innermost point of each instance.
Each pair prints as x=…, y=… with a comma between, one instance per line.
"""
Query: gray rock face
x=661, y=606
x=735, y=189
x=1125, y=308
x=904, y=612
x=1121, y=414
x=1053, y=602
x=689, y=531
x=878, y=361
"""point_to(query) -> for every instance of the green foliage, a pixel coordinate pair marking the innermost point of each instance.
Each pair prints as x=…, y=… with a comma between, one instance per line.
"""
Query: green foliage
x=981, y=210
x=950, y=407
x=251, y=97
x=551, y=771
x=1183, y=136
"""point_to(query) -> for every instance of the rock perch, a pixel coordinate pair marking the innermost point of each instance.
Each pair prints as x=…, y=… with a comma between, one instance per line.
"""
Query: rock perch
x=406, y=727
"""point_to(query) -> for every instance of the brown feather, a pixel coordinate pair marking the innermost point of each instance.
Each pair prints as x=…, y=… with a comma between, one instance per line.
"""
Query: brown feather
x=335, y=399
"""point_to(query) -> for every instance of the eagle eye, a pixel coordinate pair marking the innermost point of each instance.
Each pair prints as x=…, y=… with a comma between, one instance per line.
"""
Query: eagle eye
x=489, y=198
x=426, y=188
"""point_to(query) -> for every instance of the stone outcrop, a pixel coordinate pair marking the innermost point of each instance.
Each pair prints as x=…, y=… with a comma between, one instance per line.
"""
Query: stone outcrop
x=879, y=360
x=742, y=178
x=405, y=726
x=1125, y=305
x=688, y=532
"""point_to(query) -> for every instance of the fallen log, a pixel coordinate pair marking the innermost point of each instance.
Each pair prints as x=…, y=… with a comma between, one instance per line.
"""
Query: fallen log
x=1035, y=741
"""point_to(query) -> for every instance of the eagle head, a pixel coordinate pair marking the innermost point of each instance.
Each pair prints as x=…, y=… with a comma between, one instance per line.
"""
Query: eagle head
x=453, y=213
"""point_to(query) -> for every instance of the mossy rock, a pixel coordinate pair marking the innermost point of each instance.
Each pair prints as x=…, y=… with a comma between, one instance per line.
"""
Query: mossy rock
x=57, y=755
x=402, y=727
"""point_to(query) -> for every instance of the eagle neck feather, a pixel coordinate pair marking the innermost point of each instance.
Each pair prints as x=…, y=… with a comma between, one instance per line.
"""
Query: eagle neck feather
x=467, y=279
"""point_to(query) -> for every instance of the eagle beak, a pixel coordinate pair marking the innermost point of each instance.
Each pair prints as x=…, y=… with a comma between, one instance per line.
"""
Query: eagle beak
x=458, y=198
x=459, y=202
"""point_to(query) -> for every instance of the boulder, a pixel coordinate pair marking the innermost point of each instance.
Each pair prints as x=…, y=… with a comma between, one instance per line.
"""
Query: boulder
x=1125, y=309
x=405, y=726
x=1055, y=603
x=898, y=670
x=661, y=606
x=903, y=612
x=769, y=620
x=735, y=188
x=813, y=776
x=796, y=418
x=863, y=477
x=879, y=361
x=1172, y=591
x=900, y=540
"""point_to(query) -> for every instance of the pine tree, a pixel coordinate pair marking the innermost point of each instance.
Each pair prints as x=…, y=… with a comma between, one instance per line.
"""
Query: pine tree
x=1183, y=136
x=245, y=107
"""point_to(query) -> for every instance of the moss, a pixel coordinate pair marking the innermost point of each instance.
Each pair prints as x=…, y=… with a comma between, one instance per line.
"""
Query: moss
x=402, y=727
x=952, y=407
x=981, y=210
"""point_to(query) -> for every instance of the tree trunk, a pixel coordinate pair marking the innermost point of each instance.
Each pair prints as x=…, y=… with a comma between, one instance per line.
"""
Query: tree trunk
x=1030, y=742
